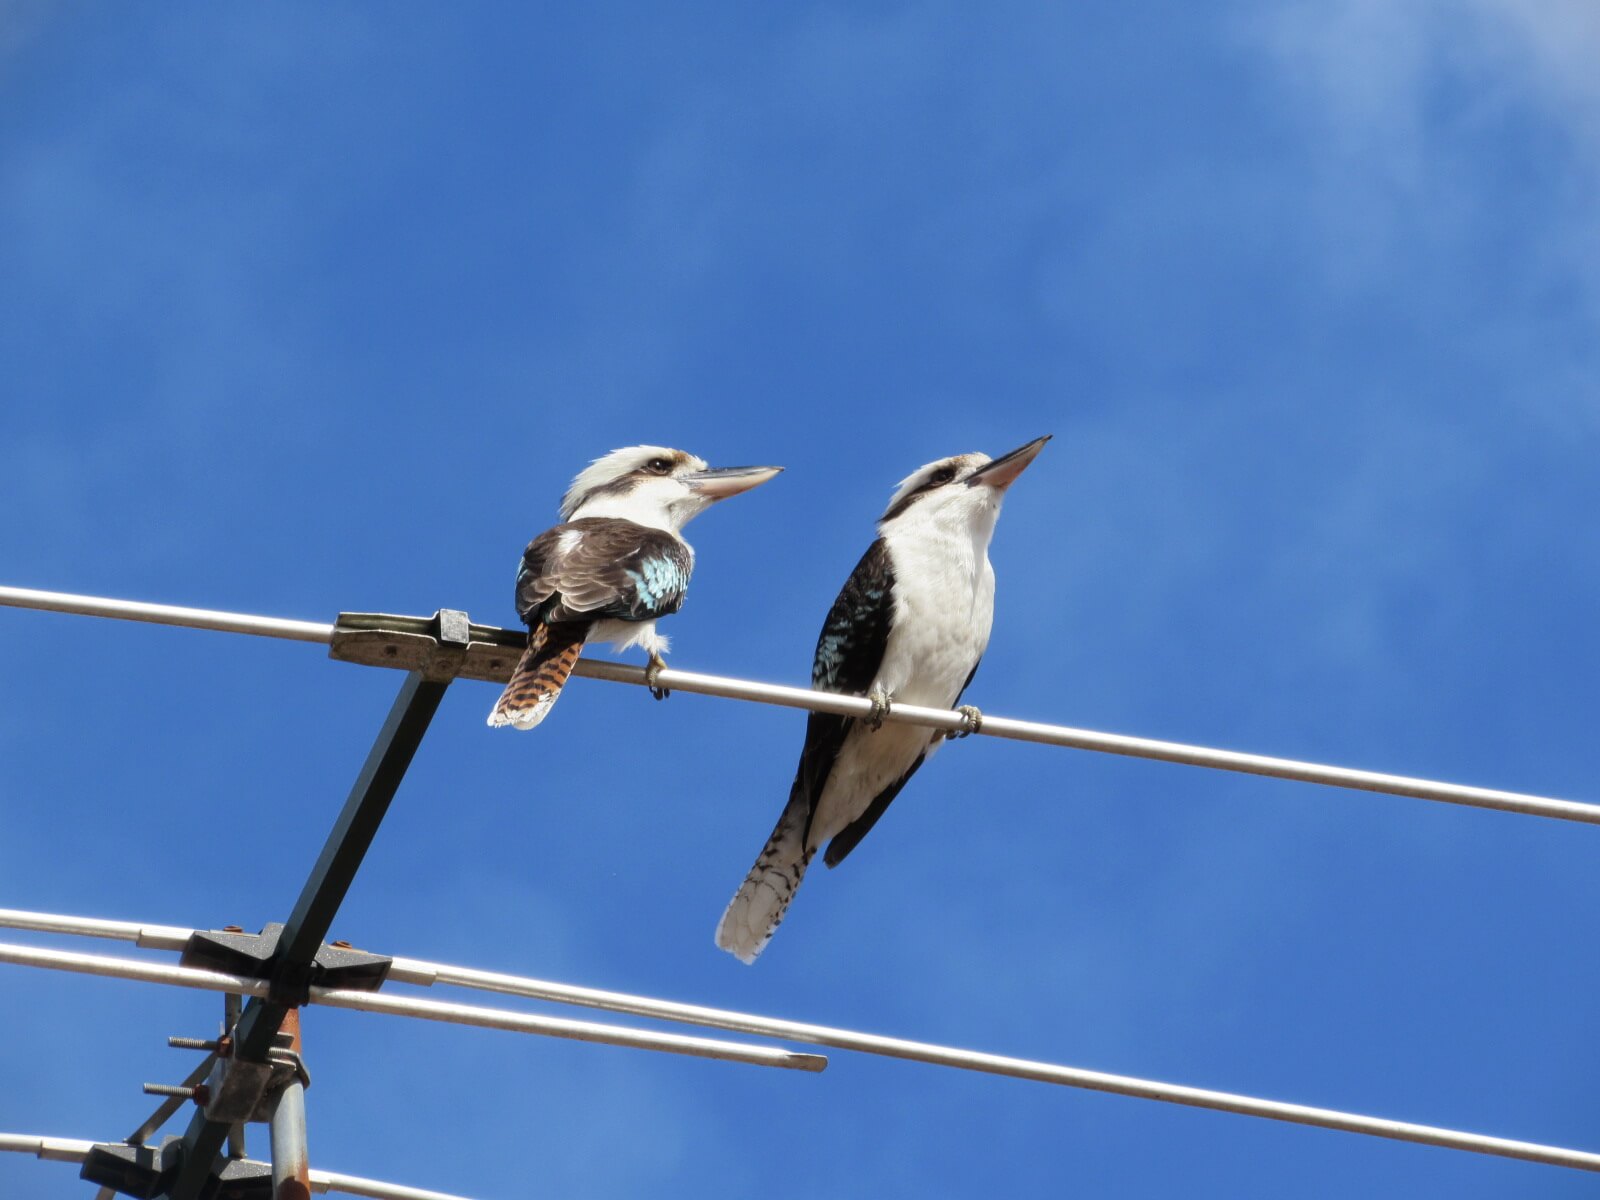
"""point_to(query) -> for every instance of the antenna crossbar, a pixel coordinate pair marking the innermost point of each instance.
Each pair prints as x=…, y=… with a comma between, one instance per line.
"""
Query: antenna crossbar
x=405, y=1006
x=416, y=971
x=376, y=639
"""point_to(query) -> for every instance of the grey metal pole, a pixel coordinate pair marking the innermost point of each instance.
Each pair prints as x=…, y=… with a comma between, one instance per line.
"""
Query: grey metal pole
x=844, y=1039
x=1106, y=743
x=166, y=614
x=291, y=1164
x=342, y=853
x=427, y=1010
x=492, y=652
x=232, y=1007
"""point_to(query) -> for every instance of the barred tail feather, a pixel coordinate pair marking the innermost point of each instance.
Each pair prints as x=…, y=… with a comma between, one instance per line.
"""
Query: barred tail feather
x=540, y=674
x=753, y=915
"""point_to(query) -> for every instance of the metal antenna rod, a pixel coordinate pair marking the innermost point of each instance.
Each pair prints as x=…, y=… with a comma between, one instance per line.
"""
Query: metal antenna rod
x=945, y=1056
x=429, y=1010
x=489, y=657
x=165, y=614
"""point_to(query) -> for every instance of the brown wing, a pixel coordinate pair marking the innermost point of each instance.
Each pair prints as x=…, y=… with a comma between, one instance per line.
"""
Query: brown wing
x=602, y=567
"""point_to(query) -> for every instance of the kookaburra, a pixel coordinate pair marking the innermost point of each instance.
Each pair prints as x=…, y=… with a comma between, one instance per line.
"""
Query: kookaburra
x=909, y=626
x=615, y=564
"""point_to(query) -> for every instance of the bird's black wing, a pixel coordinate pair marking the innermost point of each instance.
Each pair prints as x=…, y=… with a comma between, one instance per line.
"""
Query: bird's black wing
x=850, y=836
x=598, y=567
x=849, y=652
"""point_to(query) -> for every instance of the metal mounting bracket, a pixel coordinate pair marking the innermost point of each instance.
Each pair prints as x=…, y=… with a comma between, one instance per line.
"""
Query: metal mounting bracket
x=444, y=646
x=149, y=1171
x=255, y=956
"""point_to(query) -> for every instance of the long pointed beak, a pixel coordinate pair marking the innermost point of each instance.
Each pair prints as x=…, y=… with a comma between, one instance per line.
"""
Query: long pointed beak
x=721, y=482
x=1003, y=471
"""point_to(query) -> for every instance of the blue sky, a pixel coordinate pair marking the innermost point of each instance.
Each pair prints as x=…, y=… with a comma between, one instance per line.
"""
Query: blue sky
x=317, y=308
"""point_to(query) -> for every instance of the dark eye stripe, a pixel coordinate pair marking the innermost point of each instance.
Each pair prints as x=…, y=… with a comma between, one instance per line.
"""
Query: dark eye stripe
x=938, y=479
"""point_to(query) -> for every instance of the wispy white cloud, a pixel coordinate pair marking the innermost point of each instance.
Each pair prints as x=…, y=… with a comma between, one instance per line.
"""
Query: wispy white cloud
x=1374, y=67
x=1404, y=104
x=1453, y=151
x=1552, y=46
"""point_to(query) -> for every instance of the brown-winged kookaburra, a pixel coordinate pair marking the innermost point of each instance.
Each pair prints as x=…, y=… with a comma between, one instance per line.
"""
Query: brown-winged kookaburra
x=909, y=627
x=615, y=564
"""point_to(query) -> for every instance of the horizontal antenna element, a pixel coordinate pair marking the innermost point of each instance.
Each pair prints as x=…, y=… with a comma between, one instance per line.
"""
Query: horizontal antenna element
x=407, y=970
x=376, y=639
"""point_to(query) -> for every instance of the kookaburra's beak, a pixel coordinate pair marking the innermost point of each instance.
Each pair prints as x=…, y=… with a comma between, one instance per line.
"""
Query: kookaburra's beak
x=721, y=482
x=1003, y=471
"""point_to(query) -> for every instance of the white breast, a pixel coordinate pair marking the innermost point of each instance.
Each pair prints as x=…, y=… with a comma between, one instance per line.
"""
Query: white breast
x=944, y=608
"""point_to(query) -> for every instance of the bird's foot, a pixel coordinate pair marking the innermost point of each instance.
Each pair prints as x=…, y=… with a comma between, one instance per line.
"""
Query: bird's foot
x=971, y=722
x=880, y=708
x=652, y=673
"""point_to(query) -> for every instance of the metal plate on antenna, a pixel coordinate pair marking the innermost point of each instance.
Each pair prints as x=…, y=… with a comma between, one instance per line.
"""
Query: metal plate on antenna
x=234, y=952
x=148, y=1171
x=415, y=644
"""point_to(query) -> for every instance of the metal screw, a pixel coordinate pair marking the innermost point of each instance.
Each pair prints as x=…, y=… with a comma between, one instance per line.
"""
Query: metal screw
x=188, y=1043
x=200, y=1095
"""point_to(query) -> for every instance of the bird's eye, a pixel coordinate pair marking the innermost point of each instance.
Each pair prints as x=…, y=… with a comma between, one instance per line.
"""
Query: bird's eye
x=658, y=466
x=943, y=475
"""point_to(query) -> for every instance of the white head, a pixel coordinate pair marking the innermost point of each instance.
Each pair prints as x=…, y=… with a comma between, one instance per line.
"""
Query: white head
x=655, y=486
x=965, y=490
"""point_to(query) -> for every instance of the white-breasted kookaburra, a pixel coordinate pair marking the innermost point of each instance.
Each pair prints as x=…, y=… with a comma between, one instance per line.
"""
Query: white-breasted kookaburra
x=615, y=564
x=909, y=626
